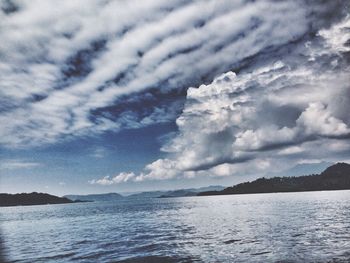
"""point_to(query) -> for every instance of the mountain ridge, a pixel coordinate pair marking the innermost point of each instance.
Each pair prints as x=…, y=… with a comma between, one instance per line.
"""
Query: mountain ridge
x=95, y=197
x=176, y=193
x=335, y=177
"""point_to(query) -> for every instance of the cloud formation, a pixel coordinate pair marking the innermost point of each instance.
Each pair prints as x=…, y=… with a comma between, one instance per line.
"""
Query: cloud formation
x=287, y=110
x=120, y=178
x=86, y=67
x=65, y=70
x=17, y=164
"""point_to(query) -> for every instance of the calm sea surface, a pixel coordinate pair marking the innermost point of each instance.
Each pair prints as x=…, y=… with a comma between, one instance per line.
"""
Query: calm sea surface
x=279, y=227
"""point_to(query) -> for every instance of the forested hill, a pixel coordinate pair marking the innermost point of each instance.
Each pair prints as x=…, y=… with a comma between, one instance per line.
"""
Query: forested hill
x=335, y=177
x=31, y=199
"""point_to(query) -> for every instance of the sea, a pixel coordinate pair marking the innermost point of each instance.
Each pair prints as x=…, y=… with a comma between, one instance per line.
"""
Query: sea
x=276, y=227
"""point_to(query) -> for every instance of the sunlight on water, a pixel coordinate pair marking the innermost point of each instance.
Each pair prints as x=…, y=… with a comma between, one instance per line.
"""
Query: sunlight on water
x=287, y=227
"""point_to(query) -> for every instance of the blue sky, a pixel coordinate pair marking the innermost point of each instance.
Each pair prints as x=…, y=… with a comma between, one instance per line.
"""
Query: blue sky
x=68, y=166
x=127, y=96
x=71, y=164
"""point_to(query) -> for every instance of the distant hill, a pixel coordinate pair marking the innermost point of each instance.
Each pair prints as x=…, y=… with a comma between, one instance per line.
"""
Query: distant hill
x=209, y=188
x=95, y=197
x=149, y=194
x=31, y=199
x=176, y=193
x=335, y=177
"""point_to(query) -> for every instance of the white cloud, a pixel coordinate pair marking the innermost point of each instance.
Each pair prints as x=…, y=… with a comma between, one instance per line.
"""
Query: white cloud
x=107, y=180
x=122, y=47
x=290, y=95
x=276, y=116
x=161, y=169
x=291, y=150
x=317, y=119
x=16, y=164
x=99, y=153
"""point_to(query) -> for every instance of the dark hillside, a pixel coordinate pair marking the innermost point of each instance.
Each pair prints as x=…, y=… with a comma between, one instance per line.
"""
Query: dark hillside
x=31, y=199
x=335, y=177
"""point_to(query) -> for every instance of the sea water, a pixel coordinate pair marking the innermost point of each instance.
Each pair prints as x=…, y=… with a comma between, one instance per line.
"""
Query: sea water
x=277, y=227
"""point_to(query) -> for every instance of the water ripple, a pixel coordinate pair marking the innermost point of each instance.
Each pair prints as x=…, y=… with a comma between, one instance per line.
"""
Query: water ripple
x=289, y=227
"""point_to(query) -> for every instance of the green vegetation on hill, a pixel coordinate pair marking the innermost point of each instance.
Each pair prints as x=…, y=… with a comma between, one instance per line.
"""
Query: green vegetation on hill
x=335, y=177
x=31, y=199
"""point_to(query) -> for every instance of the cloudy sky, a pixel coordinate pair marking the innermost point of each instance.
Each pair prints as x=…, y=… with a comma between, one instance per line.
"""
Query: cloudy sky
x=102, y=95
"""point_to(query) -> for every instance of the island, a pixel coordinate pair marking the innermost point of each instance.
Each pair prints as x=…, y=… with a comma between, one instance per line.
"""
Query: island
x=32, y=199
x=335, y=177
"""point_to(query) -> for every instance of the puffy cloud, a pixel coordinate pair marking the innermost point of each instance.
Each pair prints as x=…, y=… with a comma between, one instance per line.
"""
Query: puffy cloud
x=107, y=180
x=272, y=117
x=161, y=169
x=83, y=68
x=61, y=65
x=317, y=119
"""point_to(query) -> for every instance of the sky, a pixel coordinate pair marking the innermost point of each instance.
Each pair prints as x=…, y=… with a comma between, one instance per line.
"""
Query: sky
x=126, y=96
